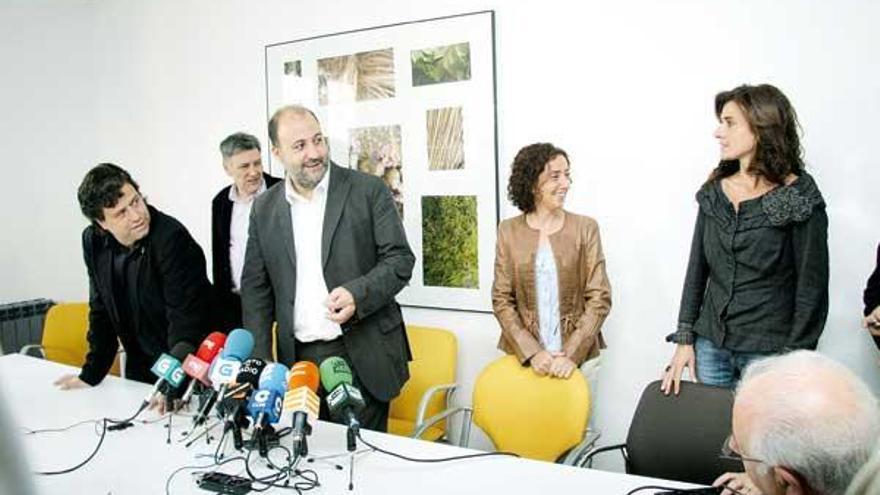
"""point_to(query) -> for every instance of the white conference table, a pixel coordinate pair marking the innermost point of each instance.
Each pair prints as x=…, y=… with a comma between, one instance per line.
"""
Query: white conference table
x=139, y=461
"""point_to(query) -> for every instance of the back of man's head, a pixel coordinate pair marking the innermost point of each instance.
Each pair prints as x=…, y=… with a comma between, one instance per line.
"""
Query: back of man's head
x=807, y=414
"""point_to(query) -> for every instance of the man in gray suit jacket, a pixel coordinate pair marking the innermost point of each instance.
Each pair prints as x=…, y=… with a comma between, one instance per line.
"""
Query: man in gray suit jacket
x=326, y=255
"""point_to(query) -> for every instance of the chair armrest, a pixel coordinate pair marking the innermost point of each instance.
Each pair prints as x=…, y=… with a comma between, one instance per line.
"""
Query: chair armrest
x=122, y=359
x=585, y=447
x=25, y=350
x=587, y=459
x=426, y=397
x=424, y=425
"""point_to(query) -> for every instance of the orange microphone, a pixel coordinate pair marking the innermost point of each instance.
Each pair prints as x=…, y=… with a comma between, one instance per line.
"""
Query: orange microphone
x=302, y=400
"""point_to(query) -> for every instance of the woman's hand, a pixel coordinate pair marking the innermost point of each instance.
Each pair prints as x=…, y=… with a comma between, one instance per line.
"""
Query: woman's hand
x=737, y=483
x=541, y=362
x=562, y=366
x=684, y=357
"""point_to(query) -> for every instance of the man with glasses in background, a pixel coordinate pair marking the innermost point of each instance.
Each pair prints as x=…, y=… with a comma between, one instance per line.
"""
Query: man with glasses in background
x=802, y=424
x=147, y=283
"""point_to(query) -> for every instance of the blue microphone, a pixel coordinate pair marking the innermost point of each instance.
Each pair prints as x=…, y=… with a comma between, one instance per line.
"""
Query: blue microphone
x=266, y=403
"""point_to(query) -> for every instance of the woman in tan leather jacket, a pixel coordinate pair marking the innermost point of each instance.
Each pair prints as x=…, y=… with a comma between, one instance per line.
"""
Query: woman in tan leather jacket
x=550, y=293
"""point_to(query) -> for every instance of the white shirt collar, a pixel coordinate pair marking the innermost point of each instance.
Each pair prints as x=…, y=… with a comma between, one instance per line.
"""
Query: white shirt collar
x=236, y=198
x=320, y=190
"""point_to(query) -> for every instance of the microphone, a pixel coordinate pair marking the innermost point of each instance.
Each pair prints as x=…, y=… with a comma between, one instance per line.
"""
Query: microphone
x=233, y=407
x=265, y=404
x=247, y=379
x=199, y=365
x=239, y=345
x=168, y=369
x=343, y=399
x=301, y=399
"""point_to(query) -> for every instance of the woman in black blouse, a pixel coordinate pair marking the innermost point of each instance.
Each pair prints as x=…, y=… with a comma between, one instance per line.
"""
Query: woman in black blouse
x=757, y=276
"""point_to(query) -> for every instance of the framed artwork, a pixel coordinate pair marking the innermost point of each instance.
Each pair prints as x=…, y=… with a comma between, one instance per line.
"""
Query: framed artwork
x=414, y=104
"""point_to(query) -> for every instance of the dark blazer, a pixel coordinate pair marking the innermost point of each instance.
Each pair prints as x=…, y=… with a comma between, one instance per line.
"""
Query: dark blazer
x=173, y=296
x=227, y=305
x=363, y=248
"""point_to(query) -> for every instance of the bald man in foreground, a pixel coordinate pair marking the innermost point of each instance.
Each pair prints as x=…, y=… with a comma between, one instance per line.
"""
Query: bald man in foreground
x=802, y=424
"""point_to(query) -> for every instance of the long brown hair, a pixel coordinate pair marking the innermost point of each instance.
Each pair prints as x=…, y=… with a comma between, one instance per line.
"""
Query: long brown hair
x=774, y=123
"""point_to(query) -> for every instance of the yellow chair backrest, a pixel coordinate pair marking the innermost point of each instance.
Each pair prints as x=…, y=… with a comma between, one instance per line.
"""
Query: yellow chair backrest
x=64, y=335
x=434, y=354
x=533, y=416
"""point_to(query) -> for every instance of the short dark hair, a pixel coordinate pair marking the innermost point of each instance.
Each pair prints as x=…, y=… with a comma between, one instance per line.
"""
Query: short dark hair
x=273, y=122
x=774, y=123
x=101, y=188
x=238, y=142
x=530, y=161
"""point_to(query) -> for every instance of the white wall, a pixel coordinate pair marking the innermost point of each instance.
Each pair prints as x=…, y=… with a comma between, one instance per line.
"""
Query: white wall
x=625, y=87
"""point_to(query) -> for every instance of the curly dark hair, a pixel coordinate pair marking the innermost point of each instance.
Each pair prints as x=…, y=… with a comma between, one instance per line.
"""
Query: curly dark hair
x=530, y=161
x=101, y=188
x=775, y=125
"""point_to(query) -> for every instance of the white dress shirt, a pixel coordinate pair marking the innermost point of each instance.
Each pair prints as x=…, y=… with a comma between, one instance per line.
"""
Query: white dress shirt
x=310, y=322
x=238, y=231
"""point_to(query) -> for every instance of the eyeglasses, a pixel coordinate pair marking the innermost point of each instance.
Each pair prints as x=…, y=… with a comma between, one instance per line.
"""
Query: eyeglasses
x=728, y=452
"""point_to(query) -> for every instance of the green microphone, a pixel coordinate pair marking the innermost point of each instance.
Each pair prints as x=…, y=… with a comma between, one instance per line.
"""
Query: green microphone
x=343, y=399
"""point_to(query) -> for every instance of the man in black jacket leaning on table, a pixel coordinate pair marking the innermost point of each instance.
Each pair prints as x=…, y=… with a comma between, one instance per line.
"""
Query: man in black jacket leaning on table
x=147, y=283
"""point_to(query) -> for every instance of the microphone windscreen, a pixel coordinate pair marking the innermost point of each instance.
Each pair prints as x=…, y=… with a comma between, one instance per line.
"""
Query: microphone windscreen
x=304, y=374
x=211, y=346
x=334, y=370
x=274, y=377
x=181, y=350
x=249, y=372
x=239, y=344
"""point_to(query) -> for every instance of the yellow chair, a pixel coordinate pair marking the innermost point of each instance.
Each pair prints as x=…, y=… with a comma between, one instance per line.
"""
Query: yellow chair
x=64, y=336
x=538, y=417
x=421, y=409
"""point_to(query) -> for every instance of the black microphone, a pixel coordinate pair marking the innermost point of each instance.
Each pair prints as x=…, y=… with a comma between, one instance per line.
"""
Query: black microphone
x=235, y=407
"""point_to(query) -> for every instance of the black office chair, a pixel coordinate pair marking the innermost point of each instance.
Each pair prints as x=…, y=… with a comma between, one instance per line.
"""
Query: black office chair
x=677, y=437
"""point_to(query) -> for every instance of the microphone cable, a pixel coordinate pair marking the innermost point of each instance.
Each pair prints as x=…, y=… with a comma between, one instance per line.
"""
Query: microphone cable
x=438, y=459
x=114, y=424
x=668, y=490
x=283, y=475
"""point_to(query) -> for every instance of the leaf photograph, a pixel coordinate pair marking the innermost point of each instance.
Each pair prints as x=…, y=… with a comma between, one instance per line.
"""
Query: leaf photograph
x=449, y=242
x=441, y=64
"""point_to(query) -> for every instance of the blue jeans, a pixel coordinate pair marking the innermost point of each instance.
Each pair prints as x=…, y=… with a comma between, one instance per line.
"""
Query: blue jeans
x=721, y=367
